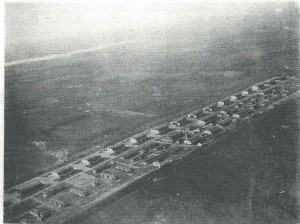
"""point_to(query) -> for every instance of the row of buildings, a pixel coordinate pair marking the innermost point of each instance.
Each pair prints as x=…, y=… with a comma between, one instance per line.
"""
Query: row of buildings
x=196, y=128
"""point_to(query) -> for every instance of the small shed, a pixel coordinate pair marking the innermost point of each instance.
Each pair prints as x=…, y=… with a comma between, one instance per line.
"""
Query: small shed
x=154, y=132
x=236, y=116
x=192, y=116
x=220, y=104
x=255, y=88
x=174, y=124
x=156, y=164
x=233, y=98
x=200, y=122
x=206, y=132
x=207, y=110
x=223, y=112
x=245, y=93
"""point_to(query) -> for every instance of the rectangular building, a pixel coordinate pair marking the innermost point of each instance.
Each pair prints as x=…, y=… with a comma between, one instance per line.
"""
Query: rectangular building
x=30, y=188
x=207, y=110
x=245, y=93
x=131, y=154
x=147, y=148
x=192, y=116
x=101, y=168
x=138, y=157
x=210, y=118
x=138, y=139
x=53, y=191
x=91, y=161
x=214, y=129
x=159, y=131
x=220, y=104
x=158, y=158
x=63, y=172
x=116, y=149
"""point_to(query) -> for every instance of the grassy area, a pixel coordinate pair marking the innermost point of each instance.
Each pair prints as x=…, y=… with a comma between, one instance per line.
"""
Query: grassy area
x=247, y=177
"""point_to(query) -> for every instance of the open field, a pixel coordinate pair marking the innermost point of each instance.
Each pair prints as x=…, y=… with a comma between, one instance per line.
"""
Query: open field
x=101, y=97
x=250, y=176
x=82, y=179
x=82, y=100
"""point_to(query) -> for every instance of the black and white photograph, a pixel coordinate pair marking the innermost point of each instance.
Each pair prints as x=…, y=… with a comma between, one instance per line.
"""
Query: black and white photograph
x=151, y=112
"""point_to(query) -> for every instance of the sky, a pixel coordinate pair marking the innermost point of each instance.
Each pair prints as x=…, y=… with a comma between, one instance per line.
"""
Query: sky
x=31, y=24
x=33, y=21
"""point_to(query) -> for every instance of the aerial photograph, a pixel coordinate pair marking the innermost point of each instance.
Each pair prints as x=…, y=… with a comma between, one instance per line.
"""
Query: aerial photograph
x=155, y=112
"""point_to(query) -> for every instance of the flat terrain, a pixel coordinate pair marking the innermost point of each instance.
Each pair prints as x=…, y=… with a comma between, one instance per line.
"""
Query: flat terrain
x=59, y=108
x=250, y=176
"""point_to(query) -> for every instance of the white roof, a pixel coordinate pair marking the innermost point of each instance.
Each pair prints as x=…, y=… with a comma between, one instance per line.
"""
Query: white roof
x=207, y=132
